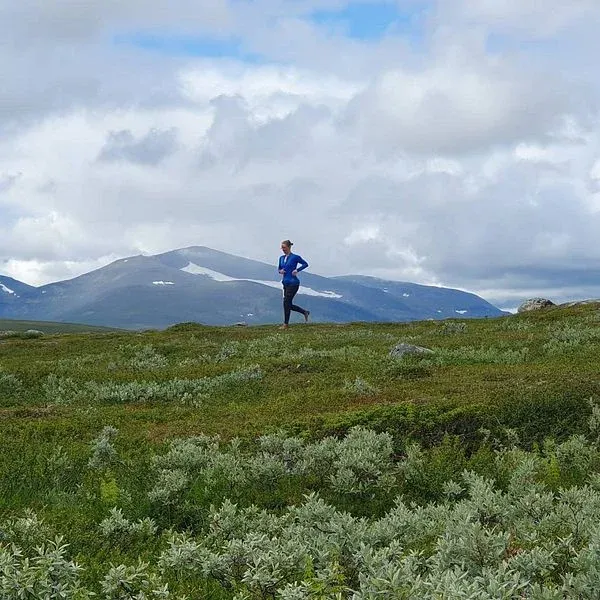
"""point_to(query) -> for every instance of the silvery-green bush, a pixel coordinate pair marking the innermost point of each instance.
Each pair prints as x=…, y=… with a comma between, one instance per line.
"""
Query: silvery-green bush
x=228, y=350
x=9, y=384
x=360, y=386
x=270, y=346
x=451, y=328
x=104, y=454
x=26, y=531
x=8, y=333
x=46, y=573
x=64, y=390
x=516, y=537
x=520, y=543
x=565, y=338
x=169, y=486
x=359, y=465
x=342, y=353
x=147, y=358
x=342, y=337
x=60, y=390
x=116, y=526
x=26, y=335
x=481, y=355
x=135, y=582
x=513, y=324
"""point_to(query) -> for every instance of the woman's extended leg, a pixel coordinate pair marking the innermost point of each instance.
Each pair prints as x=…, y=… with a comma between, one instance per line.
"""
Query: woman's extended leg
x=289, y=291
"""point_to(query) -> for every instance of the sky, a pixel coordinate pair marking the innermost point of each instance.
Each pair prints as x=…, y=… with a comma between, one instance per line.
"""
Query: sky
x=443, y=142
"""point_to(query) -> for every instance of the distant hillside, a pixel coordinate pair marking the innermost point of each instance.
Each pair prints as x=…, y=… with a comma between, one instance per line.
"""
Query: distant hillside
x=52, y=327
x=439, y=300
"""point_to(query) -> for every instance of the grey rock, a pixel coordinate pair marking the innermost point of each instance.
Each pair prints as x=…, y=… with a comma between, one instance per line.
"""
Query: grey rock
x=535, y=304
x=401, y=349
x=33, y=333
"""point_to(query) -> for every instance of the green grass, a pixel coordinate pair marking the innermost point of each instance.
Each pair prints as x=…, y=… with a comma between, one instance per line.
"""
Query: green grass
x=533, y=373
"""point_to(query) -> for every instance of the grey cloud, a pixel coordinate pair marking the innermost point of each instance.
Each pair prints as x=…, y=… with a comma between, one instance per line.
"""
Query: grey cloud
x=369, y=254
x=49, y=187
x=235, y=137
x=515, y=231
x=7, y=182
x=416, y=197
x=150, y=149
x=62, y=79
x=58, y=55
x=67, y=21
x=230, y=125
x=462, y=109
x=32, y=239
x=538, y=19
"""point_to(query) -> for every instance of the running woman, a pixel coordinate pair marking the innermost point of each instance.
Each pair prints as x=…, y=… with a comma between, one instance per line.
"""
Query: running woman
x=289, y=266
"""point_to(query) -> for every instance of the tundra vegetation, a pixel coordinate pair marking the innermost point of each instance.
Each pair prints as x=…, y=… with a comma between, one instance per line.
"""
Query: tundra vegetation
x=248, y=463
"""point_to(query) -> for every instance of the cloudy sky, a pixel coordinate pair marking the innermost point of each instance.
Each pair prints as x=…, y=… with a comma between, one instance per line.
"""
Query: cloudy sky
x=448, y=142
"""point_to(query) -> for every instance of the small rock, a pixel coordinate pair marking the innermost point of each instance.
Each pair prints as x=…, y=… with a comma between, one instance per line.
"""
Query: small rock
x=535, y=304
x=401, y=349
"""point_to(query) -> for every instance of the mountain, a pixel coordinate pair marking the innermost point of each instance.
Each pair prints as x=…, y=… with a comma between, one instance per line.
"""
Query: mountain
x=207, y=286
x=10, y=287
x=12, y=293
x=444, y=302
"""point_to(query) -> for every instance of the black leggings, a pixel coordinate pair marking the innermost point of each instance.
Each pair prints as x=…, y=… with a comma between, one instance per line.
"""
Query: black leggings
x=289, y=291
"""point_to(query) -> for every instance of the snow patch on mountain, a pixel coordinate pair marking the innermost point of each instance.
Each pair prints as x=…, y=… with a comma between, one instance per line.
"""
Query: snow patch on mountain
x=325, y=293
x=6, y=289
x=163, y=283
x=195, y=269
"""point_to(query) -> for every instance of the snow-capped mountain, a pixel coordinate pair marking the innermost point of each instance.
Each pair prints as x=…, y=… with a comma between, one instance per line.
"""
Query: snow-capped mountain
x=10, y=287
x=207, y=286
x=13, y=294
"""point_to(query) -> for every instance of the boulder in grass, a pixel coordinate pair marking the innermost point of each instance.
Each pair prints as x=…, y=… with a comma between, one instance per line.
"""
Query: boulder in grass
x=400, y=350
x=535, y=304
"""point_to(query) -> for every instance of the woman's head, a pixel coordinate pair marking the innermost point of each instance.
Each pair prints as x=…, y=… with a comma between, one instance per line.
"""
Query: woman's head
x=286, y=246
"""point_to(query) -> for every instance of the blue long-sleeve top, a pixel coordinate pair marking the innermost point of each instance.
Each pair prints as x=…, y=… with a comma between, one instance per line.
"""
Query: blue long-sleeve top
x=291, y=262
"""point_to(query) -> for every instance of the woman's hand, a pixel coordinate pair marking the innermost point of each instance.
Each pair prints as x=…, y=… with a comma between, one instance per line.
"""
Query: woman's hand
x=281, y=271
x=294, y=272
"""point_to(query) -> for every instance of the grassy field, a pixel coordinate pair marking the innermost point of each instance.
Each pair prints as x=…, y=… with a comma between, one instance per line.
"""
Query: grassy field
x=88, y=423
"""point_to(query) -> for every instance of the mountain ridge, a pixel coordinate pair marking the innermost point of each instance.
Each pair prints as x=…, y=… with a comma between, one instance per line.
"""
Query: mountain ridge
x=200, y=284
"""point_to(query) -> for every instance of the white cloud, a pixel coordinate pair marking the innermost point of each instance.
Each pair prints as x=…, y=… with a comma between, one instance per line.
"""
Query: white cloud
x=362, y=235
